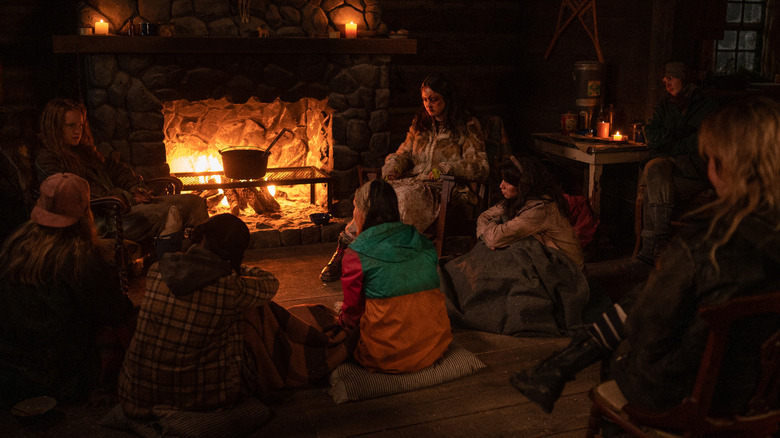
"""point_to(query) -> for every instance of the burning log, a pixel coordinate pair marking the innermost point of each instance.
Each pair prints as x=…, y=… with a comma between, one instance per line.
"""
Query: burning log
x=236, y=201
x=214, y=200
x=260, y=199
x=208, y=193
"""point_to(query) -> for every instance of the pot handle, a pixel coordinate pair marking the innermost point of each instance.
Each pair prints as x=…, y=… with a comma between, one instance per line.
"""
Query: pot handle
x=278, y=136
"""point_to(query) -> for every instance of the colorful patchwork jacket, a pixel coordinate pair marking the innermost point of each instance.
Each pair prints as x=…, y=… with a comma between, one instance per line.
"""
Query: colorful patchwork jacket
x=391, y=291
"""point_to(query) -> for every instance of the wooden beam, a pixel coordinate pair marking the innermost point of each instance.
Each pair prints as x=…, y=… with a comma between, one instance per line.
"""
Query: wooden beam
x=153, y=44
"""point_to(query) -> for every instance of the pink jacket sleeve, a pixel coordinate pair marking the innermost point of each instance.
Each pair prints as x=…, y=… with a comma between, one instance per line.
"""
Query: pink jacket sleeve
x=352, y=284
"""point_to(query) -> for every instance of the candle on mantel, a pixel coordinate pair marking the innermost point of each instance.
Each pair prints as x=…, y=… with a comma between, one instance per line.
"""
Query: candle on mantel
x=101, y=28
x=617, y=137
x=350, y=30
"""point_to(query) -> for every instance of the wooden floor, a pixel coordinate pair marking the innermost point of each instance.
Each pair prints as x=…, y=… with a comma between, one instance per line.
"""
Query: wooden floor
x=481, y=405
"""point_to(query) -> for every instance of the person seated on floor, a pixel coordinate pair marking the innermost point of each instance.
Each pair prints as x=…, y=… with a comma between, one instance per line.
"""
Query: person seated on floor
x=525, y=275
x=675, y=172
x=206, y=317
x=67, y=146
x=444, y=139
x=57, y=295
x=654, y=337
x=391, y=288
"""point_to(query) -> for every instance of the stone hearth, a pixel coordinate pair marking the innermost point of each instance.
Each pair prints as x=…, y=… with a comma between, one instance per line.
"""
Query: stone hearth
x=125, y=92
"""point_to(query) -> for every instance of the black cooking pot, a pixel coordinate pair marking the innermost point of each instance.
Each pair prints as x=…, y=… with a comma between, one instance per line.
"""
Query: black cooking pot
x=244, y=163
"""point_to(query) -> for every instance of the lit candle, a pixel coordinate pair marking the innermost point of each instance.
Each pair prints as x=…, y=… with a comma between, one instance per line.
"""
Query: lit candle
x=617, y=137
x=350, y=31
x=101, y=28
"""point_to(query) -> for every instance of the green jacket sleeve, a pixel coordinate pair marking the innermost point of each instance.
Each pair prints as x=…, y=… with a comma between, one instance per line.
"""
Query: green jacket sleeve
x=672, y=132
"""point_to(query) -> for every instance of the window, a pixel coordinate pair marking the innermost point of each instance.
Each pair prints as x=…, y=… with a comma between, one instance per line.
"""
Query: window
x=740, y=48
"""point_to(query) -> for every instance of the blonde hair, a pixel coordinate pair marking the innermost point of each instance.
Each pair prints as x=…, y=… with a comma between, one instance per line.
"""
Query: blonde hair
x=51, y=123
x=35, y=254
x=743, y=141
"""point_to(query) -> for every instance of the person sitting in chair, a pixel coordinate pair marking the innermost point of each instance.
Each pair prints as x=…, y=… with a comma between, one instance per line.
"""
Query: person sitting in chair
x=654, y=337
x=67, y=146
x=675, y=171
x=443, y=140
x=57, y=293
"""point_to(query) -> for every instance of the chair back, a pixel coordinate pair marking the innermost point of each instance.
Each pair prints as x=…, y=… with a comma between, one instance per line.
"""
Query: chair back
x=498, y=149
x=735, y=326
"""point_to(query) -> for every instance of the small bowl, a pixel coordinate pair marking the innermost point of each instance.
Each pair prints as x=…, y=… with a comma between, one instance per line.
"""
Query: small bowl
x=34, y=409
x=320, y=218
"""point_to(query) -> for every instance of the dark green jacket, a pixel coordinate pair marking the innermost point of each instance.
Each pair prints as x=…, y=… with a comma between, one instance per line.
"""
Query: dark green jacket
x=672, y=132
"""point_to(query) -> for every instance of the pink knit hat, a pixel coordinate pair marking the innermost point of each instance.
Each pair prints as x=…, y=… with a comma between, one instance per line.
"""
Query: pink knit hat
x=64, y=200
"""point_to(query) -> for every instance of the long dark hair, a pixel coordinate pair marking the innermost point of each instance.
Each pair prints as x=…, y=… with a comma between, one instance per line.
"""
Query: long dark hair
x=455, y=114
x=382, y=205
x=533, y=181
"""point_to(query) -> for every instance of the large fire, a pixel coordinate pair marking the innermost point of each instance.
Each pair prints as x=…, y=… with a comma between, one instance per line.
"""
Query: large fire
x=195, y=132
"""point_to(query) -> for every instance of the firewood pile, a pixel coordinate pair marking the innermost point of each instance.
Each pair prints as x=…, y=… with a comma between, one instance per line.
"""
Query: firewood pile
x=258, y=198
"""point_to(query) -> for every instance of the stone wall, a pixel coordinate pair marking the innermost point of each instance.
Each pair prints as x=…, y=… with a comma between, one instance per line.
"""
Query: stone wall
x=125, y=92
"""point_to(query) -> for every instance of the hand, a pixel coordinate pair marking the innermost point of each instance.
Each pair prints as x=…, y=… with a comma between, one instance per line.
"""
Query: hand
x=142, y=196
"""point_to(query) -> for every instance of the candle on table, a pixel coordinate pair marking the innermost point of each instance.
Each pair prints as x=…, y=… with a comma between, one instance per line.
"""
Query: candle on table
x=617, y=137
x=101, y=28
x=602, y=130
x=350, y=30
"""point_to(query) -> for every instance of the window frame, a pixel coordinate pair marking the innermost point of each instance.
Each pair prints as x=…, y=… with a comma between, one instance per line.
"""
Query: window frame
x=741, y=27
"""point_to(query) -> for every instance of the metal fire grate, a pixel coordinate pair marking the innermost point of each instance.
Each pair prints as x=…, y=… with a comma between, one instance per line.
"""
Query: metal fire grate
x=275, y=176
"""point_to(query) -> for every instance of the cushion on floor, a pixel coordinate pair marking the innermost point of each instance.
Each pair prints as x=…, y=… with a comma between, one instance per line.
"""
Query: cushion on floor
x=239, y=420
x=351, y=382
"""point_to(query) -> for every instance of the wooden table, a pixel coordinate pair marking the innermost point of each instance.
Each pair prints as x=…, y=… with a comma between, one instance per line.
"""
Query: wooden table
x=594, y=153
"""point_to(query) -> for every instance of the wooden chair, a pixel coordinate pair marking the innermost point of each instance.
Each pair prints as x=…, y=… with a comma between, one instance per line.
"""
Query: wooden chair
x=678, y=214
x=449, y=182
x=498, y=149
x=692, y=418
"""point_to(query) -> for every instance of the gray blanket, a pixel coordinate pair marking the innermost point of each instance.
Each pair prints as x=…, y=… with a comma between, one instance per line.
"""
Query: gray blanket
x=526, y=289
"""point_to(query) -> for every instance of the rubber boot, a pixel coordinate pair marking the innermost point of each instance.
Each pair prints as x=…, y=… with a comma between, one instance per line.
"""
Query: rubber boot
x=544, y=384
x=332, y=272
x=647, y=253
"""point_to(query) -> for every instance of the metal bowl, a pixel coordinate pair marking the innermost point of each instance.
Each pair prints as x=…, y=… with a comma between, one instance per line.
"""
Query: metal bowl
x=320, y=218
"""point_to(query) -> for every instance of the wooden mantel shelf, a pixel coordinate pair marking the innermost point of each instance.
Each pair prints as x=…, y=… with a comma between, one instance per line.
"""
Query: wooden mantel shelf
x=94, y=44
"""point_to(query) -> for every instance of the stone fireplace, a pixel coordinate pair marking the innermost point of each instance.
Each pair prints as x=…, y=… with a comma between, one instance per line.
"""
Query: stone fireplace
x=216, y=56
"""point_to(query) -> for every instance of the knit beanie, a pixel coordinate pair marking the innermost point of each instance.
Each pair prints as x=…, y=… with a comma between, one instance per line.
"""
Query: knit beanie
x=677, y=70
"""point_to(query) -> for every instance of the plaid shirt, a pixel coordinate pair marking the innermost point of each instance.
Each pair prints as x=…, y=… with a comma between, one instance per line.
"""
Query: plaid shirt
x=188, y=350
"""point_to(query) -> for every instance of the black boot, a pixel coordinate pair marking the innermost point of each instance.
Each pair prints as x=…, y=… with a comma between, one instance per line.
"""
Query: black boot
x=332, y=272
x=544, y=384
